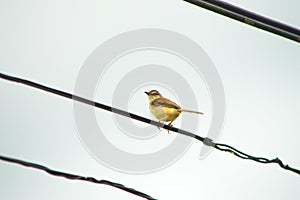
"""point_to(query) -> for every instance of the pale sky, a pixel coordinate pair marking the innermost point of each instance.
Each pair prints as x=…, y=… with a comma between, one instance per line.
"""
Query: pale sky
x=49, y=42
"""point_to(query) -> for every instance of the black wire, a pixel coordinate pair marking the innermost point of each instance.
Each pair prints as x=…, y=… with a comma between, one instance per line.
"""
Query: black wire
x=227, y=148
x=96, y=104
x=74, y=176
x=249, y=18
x=206, y=141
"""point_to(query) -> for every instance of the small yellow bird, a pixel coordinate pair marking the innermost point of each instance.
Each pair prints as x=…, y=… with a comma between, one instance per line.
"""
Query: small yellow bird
x=164, y=109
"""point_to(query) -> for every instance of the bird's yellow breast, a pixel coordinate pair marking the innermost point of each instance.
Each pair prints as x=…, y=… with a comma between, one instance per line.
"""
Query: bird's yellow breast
x=164, y=113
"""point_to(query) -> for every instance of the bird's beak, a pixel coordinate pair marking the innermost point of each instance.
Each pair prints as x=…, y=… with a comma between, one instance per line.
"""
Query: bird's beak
x=147, y=93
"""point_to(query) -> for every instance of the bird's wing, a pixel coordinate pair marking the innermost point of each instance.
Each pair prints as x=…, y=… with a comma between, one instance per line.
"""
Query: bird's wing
x=165, y=102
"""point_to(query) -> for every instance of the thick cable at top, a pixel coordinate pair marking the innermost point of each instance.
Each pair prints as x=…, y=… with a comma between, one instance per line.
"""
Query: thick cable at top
x=249, y=18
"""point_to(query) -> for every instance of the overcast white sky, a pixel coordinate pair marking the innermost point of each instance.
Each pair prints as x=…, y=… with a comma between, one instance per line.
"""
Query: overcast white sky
x=48, y=42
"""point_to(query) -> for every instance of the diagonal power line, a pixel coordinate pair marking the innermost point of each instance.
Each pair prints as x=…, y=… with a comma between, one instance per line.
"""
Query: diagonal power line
x=206, y=141
x=75, y=177
x=249, y=18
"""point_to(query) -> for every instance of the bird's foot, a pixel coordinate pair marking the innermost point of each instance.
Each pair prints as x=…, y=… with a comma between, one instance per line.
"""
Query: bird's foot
x=170, y=124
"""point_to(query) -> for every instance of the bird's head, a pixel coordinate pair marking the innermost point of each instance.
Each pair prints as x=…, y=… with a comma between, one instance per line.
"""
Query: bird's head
x=153, y=94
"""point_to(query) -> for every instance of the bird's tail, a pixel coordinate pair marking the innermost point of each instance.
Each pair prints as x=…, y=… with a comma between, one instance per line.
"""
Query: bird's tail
x=191, y=111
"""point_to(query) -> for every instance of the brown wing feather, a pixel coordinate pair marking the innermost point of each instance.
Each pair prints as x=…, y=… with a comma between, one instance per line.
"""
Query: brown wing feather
x=165, y=102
